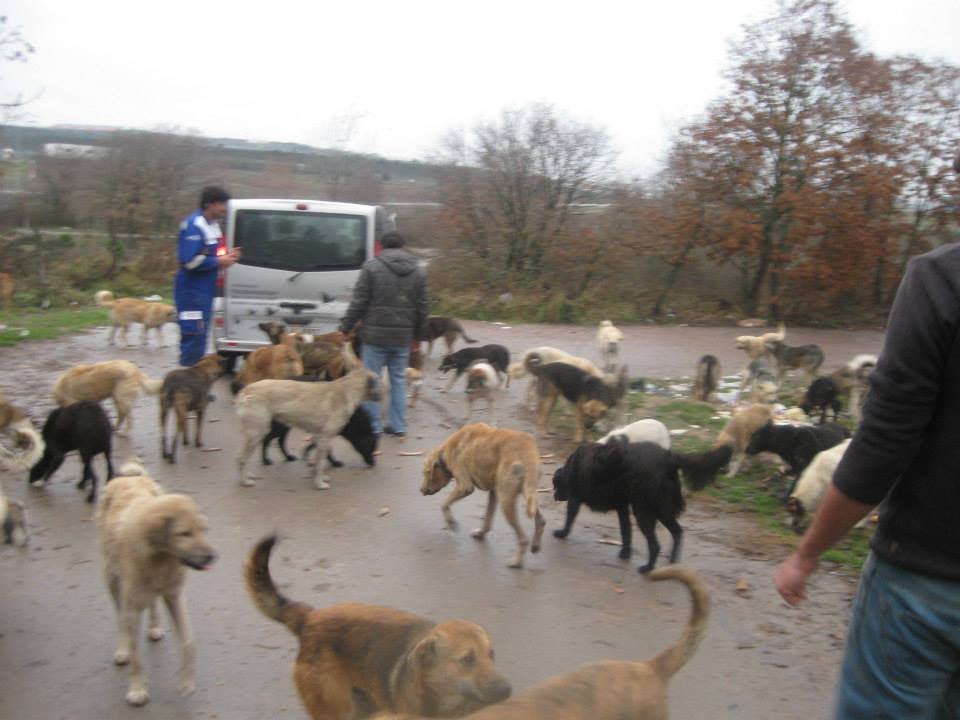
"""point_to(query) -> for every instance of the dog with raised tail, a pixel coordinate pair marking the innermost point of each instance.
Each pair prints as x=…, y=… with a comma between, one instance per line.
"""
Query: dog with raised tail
x=609, y=338
x=708, y=378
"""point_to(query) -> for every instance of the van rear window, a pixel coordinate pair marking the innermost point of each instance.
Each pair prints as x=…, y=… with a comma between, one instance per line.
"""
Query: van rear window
x=300, y=241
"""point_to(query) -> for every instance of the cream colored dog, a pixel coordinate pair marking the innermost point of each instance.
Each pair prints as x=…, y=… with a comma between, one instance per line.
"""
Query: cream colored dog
x=756, y=346
x=738, y=430
x=148, y=538
x=126, y=311
x=609, y=338
x=505, y=463
x=482, y=383
x=119, y=380
x=27, y=444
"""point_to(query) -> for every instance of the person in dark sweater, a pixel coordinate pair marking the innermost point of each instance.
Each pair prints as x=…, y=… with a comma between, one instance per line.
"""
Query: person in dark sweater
x=902, y=658
x=390, y=299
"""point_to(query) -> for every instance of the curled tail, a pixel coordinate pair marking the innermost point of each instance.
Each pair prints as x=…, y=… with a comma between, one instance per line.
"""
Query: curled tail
x=675, y=657
x=28, y=447
x=149, y=386
x=464, y=334
x=104, y=298
x=530, y=481
x=781, y=332
x=264, y=593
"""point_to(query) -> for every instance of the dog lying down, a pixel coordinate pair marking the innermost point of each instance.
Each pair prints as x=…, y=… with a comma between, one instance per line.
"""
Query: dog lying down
x=321, y=408
x=148, y=539
x=610, y=689
x=355, y=659
x=642, y=477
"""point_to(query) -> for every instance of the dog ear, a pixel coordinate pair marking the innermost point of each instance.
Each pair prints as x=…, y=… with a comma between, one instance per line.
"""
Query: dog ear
x=158, y=530
x=425, y=653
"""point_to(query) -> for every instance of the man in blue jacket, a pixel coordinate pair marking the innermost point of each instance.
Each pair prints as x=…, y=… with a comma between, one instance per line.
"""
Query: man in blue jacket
x=196, y=280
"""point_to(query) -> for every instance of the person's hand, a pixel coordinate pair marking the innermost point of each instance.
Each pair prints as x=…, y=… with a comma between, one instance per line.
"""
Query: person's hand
x=225, y=261
x=791, y=578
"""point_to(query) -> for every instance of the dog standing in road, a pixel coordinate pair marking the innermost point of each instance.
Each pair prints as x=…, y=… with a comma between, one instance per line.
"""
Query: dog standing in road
x=505, y=463
x=444, y=327
x=357, y=659
x=756, y=346
x=148, y=538
x=187, y=390
x=119, y=380
x=497, y=355
x=609, y=338
x=126, y=311
x=481, y=384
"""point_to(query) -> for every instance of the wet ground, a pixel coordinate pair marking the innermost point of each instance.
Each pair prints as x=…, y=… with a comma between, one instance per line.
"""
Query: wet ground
x=575, y=602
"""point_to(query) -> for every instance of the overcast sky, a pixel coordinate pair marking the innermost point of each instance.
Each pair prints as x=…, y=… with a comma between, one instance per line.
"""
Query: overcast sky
x=408, y=70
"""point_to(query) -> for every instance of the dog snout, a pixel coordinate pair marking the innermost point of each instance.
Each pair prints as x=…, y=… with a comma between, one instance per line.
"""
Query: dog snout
x=201, y=560
x=497, y=691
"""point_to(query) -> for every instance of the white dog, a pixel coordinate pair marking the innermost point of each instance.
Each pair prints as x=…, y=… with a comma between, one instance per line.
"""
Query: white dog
x=608, y=341
x=482, y=383
x=756, y=346
x=646, y=430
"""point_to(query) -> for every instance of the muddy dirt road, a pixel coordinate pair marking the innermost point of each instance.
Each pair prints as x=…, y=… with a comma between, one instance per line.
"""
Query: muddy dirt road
x=575, y=602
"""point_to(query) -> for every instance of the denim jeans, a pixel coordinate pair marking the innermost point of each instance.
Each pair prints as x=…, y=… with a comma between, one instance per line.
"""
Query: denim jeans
x=375, y=357
x=902, y=660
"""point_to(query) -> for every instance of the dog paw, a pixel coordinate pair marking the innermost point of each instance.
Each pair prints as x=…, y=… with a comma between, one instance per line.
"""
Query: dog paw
x=321, y=484
x=624, y=553
x=535, y=548
x=267, y=461
x=561, y=533
x=156, y=633
x=515, y=564
x=478, y=534
x=37, y=483
x=187, y=687
x=453, y=525
x=121, y=657
x=137, y=696
x=644, y=569
x=247, y=482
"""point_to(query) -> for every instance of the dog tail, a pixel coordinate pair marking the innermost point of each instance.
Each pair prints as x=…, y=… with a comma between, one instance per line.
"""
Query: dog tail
x=264, y=593
x=133, y=467
x=464, y=334
x=532, y=360
x=149, y=385
x=530, y=481
x=28, y=447
x=104, y=298
x=700, y=469
x=673, y=658
x=781, y=332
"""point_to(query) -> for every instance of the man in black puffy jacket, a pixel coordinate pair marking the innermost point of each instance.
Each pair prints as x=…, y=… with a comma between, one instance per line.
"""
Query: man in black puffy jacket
x=390, y=300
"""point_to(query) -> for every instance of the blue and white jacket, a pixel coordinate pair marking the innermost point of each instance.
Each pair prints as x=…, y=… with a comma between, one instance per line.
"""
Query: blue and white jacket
x=196, y=281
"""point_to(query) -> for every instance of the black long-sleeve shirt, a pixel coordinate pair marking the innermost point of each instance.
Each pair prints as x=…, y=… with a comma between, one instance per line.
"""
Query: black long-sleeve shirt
x=908, y=444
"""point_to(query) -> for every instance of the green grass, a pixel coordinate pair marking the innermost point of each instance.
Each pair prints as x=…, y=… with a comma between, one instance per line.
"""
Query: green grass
x=46, y=324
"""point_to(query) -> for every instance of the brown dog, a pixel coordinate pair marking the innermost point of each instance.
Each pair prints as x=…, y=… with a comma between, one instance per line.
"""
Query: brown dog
x=6, y=289
x=505, y=463
x=273, y=362
x=148, y=540
x=126, y=311
x=120, y=380
x=187, y=390
x=611, y=689
x=378, y=657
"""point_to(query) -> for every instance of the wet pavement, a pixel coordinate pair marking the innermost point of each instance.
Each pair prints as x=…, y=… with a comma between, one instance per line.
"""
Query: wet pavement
x=575, y=602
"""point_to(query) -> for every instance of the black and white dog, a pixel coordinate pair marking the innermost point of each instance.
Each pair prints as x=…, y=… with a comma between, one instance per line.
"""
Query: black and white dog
x=642, y=477
x=497, y=355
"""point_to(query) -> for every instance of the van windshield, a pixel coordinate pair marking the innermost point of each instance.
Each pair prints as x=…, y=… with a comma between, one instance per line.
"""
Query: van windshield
x=300, y=241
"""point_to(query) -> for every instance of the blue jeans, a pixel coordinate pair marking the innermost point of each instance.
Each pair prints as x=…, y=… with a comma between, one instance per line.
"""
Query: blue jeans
x=902, y=660
x=395, y=359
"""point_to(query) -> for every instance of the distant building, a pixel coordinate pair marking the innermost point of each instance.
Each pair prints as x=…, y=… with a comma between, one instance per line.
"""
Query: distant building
x=68, y=150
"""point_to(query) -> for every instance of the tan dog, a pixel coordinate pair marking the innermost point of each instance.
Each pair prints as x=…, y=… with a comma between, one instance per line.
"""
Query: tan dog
x=321, y=355
x=120, y=380
x=414, y=378
x=273, y=362
x=126, y=311
x=27, y=444
x=739, y=429
x=384, y=658
x=505, y=463
x=148, y=538
x=6, y=289
x=756, y=346
x=611, y=689
x=319, y=408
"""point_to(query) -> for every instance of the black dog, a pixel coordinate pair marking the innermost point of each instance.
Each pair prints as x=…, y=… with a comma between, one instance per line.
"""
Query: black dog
x=82, y=426
x=497, y=355
x=358, y=432
x=640, y=476
x=796, y=445
x=822, y=394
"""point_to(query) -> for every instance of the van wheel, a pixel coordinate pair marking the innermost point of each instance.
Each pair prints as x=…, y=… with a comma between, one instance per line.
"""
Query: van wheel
x=229, y=364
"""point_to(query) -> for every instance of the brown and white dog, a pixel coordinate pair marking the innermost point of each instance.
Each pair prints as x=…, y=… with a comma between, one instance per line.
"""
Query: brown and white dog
x=482, y=383
x=505, y=463
x=25, y=445
x=610, y=689
x=355, y=659
x=148, y=539
x=119, y=380
x=126, y=311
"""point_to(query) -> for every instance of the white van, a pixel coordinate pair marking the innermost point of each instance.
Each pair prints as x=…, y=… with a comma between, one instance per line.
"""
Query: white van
x=301, y=259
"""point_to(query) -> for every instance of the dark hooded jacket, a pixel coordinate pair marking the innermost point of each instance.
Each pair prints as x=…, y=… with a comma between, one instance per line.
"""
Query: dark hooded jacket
x=390, y=300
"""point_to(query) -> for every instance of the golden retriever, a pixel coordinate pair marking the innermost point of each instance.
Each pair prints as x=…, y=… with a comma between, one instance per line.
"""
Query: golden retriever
x=27, y=443
x=756, y=346
x=505, y=463
x=119, y=380
x=148, y=539
x=356, y=659
x=739, y=429
x=126, y=311
x=320, y=408
x=611, y=689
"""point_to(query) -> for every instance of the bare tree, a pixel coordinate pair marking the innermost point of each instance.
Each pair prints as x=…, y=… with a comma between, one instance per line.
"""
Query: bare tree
x=13, y=48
